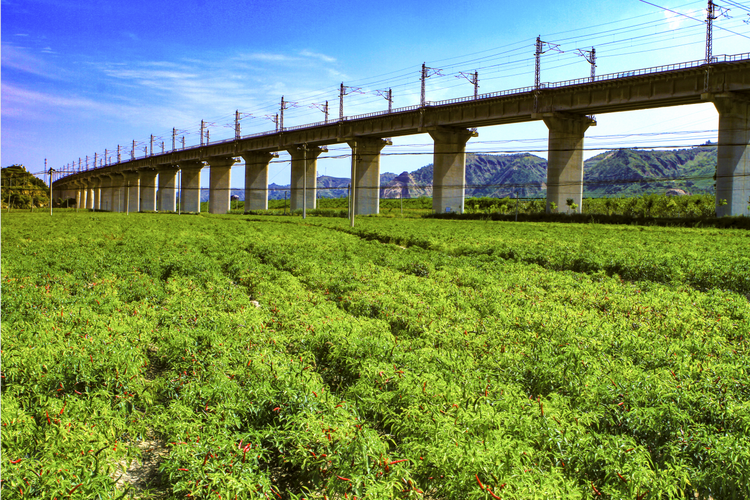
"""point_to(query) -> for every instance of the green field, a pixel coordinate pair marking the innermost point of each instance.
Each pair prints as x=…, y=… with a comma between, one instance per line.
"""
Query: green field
x=275, y=357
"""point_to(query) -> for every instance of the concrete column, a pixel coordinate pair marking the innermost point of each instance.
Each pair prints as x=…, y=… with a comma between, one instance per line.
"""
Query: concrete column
x=367, y=177
x=131, y=201
x=190, y=190
x=449, y=168
x=91, y=185
x=298, y=173
x=80, y=191
x=117, y=193
x=105, y=193
x=96, y=193
x=565, y=159
x=733, y=162
x=148, y=190
x=256, y=179
x=167, y=198
x=219, y=185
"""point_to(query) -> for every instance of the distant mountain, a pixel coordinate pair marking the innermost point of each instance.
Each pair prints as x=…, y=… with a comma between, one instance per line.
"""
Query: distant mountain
x=624, y=172
x=633, y=172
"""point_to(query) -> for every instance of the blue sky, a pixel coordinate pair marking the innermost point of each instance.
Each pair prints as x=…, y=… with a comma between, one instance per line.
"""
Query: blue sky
x=79, y=77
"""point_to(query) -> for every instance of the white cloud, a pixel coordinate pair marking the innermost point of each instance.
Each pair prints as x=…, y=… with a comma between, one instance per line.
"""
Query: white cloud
x=20, y=59
x=268, y=57
x=315, y=55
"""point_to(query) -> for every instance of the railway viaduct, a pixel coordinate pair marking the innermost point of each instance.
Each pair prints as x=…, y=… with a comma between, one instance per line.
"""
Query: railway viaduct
x=567, y=108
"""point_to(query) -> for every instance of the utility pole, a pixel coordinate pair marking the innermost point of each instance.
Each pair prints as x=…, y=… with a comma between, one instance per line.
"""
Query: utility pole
x=344, y=90
x=354, y=183
x=321, y=107
x=50, y=185
x=87, y=163
x=208, y=137
x=174, y=134
x=183, y=142
x=162, y=147
x=388, y=96
x=541, y=48
x=118, y=153
x=590, y=56
x=713, y=12
x=341, y=102
x=79, y=164
x=304, y=181
x=95, y=159
x=151, y=145
x=202, y=127
x=426, y=73
x=237, y=125
x=106, y=157
x=471, y=78
x=281, y=115
x=132, y=151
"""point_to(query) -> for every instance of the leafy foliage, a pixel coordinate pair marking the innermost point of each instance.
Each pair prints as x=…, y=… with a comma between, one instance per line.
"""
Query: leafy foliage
x=20, y=189
x=304, y=360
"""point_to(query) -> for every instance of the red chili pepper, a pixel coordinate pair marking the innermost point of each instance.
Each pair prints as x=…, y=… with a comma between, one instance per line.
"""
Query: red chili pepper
x=206, y=459
x=343, y=478
x=74, y=488
x=316, y=394
x=399, y=461
x=186, y=470
x=63, y=409
x=595, y=490
x=49, y=422
x=620, y=476
x=478, y=481
x=493, y=495
x=16, y=461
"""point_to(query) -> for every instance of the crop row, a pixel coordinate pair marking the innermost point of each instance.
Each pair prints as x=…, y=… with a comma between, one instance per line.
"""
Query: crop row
x=301, y=361
x=702, y=258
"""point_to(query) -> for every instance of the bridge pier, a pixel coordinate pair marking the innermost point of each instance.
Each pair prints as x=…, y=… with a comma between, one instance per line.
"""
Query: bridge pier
x=256, y=179
x=117, y=195
x=366, y=179
x=105, y=192
x=132, y=195
x=565, y=159
x=190, y=188
x=148, y=190
x=80, y=190
x=91, y=186
x=733, y=155
x=449, y=168
x=220, y=182
x=167, y=194
x=298, y=176
x=96, y=193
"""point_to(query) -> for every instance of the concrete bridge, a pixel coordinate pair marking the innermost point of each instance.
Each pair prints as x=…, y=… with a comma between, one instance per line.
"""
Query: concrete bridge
x=565, y=107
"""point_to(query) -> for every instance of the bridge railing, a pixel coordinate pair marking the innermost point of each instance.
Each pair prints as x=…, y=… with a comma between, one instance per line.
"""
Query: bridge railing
x=649, y=71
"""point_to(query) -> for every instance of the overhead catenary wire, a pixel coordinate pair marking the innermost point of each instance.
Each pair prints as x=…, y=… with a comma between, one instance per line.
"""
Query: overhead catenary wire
x=477, y=61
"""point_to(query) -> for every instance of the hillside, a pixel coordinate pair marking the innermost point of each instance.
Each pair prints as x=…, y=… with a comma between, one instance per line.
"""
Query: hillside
x=624, y=172
x=632, y=172
x=21, y=189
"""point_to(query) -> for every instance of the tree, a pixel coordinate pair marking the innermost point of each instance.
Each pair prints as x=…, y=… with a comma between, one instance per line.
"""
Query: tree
x=21, y=189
